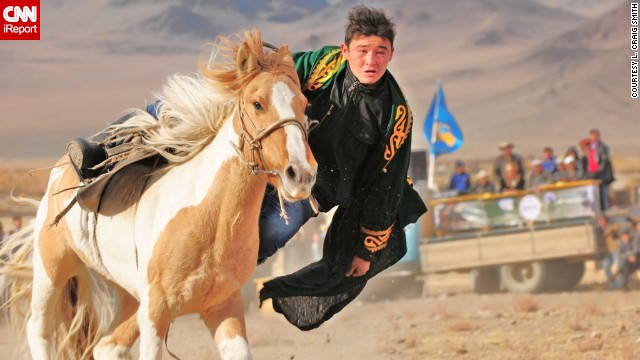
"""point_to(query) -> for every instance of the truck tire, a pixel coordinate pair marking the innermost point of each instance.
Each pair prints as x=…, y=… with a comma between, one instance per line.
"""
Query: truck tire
x=486, y=280
x=576, y=269
x=566, y=275
x=529, y=277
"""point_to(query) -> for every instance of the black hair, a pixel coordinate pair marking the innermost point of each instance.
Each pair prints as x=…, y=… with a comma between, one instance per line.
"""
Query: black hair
x=367, y=21
x=574, y=150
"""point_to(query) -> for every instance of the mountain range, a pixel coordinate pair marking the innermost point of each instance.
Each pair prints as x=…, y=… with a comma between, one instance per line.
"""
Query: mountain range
x=533, y=72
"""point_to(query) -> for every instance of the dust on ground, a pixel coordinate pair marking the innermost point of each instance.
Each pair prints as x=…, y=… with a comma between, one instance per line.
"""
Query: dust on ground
x=450, y=323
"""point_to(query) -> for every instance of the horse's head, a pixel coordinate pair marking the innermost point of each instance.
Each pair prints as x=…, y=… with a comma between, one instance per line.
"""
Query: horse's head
x=270, y=119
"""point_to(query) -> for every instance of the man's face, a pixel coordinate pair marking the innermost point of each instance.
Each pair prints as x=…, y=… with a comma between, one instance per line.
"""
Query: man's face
x=547, y=154
x=594, y=136
x=506, y=151
x=368, y=57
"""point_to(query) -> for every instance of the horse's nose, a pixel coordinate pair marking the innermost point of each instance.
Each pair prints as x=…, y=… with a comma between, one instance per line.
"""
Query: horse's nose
x=299, y=175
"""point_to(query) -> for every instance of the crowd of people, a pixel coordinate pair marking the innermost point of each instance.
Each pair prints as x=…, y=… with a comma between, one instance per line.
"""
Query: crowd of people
x=592, y=161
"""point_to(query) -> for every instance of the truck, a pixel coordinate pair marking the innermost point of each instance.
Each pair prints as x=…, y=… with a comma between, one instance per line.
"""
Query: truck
x=522, y=241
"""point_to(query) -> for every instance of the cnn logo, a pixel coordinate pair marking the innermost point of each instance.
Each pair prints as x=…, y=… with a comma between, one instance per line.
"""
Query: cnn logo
x=15, y=13
x=20, y=20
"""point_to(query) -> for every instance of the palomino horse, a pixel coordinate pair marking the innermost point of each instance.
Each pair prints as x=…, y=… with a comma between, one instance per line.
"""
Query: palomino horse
x=189, y=240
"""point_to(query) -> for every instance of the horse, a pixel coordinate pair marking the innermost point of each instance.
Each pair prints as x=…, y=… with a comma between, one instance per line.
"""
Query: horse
x=177, y=239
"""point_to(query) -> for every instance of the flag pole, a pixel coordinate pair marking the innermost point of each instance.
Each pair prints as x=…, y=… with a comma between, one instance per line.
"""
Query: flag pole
x=432, y=155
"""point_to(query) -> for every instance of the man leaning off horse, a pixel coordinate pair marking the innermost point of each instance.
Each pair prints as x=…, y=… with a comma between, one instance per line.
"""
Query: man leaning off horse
x=361, y=141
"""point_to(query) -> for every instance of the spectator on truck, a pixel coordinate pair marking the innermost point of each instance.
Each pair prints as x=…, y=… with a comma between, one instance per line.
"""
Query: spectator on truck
x=460, y=179
x=578, y=162
x=570, y=172
x=599, y=166
x=560, y=175
x=584, y=157
x=507, y=157
x=482, y=185
x=549, y=163
x=538, y=176
x=512, y=178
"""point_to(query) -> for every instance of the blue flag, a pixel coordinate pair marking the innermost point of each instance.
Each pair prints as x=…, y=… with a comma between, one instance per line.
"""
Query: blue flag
x=447, y=136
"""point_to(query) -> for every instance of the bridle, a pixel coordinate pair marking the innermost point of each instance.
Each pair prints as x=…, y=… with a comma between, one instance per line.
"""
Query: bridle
x=254, y=141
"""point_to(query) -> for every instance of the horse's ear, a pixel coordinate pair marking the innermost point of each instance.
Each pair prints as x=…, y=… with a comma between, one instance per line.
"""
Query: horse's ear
x=286, y=54
x=284, y=49
x=245, y=61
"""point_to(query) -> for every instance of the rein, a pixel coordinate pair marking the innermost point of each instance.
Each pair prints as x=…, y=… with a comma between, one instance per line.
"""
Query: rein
x=254, y=143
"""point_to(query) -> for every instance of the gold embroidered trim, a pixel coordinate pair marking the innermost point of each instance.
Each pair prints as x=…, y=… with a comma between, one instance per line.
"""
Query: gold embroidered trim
x=401, y=130
x=324, y=70
x=376, y=240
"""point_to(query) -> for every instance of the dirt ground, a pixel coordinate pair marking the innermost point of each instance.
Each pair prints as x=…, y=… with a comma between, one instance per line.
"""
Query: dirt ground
x=450, y=323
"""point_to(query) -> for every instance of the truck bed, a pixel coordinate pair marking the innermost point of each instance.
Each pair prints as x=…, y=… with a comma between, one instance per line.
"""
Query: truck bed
x=462, y=252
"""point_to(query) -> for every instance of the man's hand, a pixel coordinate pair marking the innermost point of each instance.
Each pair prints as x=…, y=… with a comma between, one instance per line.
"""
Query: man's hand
x=358, y=267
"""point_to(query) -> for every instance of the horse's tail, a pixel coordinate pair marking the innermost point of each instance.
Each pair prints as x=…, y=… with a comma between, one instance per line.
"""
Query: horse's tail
x=87, y=312
x=84, y=310
x=16, y=278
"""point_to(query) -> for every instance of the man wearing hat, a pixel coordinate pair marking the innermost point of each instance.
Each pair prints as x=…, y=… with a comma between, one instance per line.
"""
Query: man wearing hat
x=570, y=171
x=628, y=250
x=507, y=157
x=482, y=184
x=460, y=180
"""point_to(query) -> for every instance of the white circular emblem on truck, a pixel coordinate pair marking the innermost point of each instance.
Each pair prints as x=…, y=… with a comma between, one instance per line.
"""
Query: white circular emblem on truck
x=505, y=204
x=530, y=207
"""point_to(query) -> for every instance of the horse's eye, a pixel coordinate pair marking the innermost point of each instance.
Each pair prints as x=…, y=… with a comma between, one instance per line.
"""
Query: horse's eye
x=257, y=106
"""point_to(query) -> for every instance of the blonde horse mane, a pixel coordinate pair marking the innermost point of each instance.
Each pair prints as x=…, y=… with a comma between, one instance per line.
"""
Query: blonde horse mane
x=193, y=109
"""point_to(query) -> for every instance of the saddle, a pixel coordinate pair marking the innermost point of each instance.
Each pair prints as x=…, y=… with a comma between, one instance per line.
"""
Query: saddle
x=89, y=196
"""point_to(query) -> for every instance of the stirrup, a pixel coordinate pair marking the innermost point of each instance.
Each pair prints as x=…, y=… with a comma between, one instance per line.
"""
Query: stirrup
x=84, y=155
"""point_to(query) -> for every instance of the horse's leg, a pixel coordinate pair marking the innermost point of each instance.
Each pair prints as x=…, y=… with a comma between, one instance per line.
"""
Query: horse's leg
x=154, y=317
x=53, y=265
x=226, y=324
x=43, y=298
x=118, y=344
